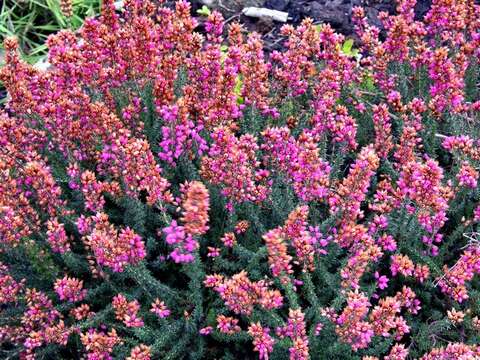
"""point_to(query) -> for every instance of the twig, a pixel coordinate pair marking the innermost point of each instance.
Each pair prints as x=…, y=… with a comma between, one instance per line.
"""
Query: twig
x=231, y=18
x=473, y=241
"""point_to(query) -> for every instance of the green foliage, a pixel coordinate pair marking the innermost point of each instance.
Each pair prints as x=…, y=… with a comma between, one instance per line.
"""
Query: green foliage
x=31, y=21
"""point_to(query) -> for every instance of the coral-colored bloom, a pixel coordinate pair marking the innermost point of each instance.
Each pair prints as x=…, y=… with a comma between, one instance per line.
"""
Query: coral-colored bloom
x=70, y=289
x=241, y=294
x=112, y=248
x=99, y=345
x=262, y=341
x=140, y=352
x=160, y=309
x=127, y=311
x=195, y=205
x=227, y=325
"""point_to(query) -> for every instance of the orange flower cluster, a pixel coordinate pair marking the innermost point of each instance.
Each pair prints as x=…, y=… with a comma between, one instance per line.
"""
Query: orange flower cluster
x=241, y=294
x=278, y=257
x=195, y=205
x=127, y=311
x=140, y=352
x=99, y=345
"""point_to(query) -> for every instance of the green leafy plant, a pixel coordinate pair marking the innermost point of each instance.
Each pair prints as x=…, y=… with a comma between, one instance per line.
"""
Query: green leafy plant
x=32, y=21
x=204, y=11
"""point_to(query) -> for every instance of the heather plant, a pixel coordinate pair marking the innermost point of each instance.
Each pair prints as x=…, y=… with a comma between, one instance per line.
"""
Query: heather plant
x=171, y=193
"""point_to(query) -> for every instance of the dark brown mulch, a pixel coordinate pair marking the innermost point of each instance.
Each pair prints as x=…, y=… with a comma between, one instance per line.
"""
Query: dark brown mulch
x=335, y=12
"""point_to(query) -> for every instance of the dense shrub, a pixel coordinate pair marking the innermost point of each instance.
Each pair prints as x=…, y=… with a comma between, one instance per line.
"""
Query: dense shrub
x=168, y=195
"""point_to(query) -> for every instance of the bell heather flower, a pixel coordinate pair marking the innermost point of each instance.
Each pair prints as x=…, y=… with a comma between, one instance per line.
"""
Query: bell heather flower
x=112, y=248
x=140, y=352
x=184, y=244
x=421, y=182
x=160, y=309
x=278, y=258
x=262, y=341
x=462, y=145
x=295, y=67
x=295, y=329
x=401, y=264
x=180, y=135
x=213, y=252
x=352, y=191
x=229, y=239
x=141, y=172
x=227, y=325
x=195, y=205
x=467, y=176
x=255, y=71
x=387, y=242
x=456, y=317
x=476, y=214
x=232, y=163
x=458, y=351
x=10, y=288
x=242, y=226
x=127, y=311
x=81, y=312
x=295, y=230
x=206, y=330
x=57, y=236
x=351, y=325
x=397, y=352
x=93, y=190
x=299, y=159
x=383, y=130
x=454, y=280
x=70, y=289
x=99, y=345
x=240, y=294
x=381, y=280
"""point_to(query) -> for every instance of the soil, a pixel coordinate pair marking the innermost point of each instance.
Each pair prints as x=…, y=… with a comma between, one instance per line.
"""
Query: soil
x=335, y=12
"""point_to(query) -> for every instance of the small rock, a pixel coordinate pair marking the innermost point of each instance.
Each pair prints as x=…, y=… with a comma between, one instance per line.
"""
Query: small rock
x=265, y=13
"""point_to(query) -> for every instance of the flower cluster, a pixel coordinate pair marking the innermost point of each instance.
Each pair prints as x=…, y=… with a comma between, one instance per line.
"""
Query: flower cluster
x=112, y=248
x=262, y=341
x=351, y=325
x=227, y=325
x=99, y=344
x=180, y=135
x=422, y=184
x=140, y=352
x=357, y=327
x=278, y=257
x=57, y=236
x=232, y=163
x=160, y=309
x=453, y=351
x=295, y=329
x=241, y=294
x=127, y=311
x=70, y=289
x=453, y=281
x=300, y=161
x=195, y=205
